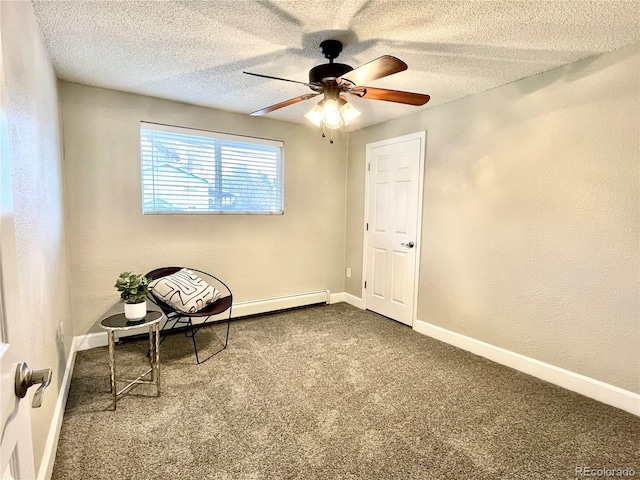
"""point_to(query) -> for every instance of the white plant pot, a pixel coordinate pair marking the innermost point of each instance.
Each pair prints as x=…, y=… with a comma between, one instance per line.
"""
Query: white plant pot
x=135, y=311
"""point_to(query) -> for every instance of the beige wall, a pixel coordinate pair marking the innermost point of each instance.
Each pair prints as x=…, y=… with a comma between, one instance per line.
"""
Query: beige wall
x=531, y=216
x=37, y=300
x=259, y=256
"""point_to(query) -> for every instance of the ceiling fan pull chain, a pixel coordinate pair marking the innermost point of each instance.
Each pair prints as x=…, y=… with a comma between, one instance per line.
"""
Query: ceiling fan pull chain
x=331, y=135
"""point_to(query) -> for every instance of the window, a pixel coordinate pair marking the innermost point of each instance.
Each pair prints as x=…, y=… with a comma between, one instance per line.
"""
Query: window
x=196, y=171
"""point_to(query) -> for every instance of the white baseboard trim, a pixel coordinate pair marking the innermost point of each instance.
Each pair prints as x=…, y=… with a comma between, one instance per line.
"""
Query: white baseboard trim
x=51, y=447
x=347, y=298
x=589, y=387
x=336, y=297
x=90, y=340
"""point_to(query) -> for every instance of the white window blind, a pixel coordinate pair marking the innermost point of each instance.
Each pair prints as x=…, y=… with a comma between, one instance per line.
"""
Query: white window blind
x=196, y=171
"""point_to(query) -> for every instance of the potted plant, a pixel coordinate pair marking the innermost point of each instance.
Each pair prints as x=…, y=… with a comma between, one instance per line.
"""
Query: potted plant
x=134, y=289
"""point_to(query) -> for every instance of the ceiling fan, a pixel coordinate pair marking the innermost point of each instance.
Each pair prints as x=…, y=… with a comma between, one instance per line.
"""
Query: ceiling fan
x=334, y=79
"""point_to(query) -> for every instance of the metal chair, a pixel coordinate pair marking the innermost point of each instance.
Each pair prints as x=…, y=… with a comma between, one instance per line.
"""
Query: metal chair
x=177, y=320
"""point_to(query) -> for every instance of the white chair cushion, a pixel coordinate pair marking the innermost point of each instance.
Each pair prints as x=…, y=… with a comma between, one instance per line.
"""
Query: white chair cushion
x=184, y=291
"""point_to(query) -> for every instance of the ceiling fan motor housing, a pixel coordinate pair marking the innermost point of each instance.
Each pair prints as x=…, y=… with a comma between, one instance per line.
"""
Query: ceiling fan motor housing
x=328, y=70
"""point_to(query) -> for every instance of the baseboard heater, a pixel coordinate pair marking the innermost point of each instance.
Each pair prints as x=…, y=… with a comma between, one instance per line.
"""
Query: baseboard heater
x=265, y=305
x=255, y=307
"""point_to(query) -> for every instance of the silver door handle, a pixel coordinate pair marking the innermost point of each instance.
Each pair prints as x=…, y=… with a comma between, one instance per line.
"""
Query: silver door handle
x=25, y=378
x=408, y=245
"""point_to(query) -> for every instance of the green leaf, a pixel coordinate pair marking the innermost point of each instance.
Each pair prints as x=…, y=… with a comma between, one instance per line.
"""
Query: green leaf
x=133, y=288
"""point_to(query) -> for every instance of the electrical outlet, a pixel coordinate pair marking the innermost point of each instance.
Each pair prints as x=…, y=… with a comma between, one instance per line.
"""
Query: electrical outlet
x=348, y=272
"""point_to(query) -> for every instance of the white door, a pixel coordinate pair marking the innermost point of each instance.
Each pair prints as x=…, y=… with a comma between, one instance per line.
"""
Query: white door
x=16, y=447
x=394, y=197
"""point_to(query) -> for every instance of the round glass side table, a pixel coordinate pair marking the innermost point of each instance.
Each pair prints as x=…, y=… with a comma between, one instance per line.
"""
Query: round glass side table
x=118, y=323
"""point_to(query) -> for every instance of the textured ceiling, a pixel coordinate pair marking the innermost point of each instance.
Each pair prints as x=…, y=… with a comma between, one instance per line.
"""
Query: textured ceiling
x=195, y=51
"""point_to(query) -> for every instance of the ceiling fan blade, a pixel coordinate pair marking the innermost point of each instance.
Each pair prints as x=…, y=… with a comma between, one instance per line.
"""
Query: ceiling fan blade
x=396, y=96
x=378, y=68
x=276, y=78
x=286, y=103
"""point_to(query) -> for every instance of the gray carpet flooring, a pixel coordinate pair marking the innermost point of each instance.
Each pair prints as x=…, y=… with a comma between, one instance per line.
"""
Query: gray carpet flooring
x=332, y=392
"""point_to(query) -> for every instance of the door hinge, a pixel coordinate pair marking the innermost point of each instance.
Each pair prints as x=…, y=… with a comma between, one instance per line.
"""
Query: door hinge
x=365, y=284
x=369, y=167
x=367, y=227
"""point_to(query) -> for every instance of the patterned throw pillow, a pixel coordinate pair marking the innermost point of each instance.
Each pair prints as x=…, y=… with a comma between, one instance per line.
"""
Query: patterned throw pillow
x=185, y=291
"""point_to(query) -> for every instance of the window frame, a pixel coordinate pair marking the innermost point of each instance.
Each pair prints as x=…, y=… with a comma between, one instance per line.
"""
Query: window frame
x=241, y=139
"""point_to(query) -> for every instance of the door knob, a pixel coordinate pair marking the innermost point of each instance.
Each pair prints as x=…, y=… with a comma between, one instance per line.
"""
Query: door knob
x=25, y=378
x=408, y=245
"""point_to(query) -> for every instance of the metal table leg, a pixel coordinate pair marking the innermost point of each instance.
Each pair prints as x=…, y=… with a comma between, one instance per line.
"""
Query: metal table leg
x=119, y=322
x=156, y=355
x=112, y=366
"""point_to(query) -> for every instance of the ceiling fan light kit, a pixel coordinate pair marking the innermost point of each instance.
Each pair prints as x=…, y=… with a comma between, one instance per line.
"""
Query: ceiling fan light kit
x=331, y=114
x=331, y=79
x=349, y=112
x=334, y=113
